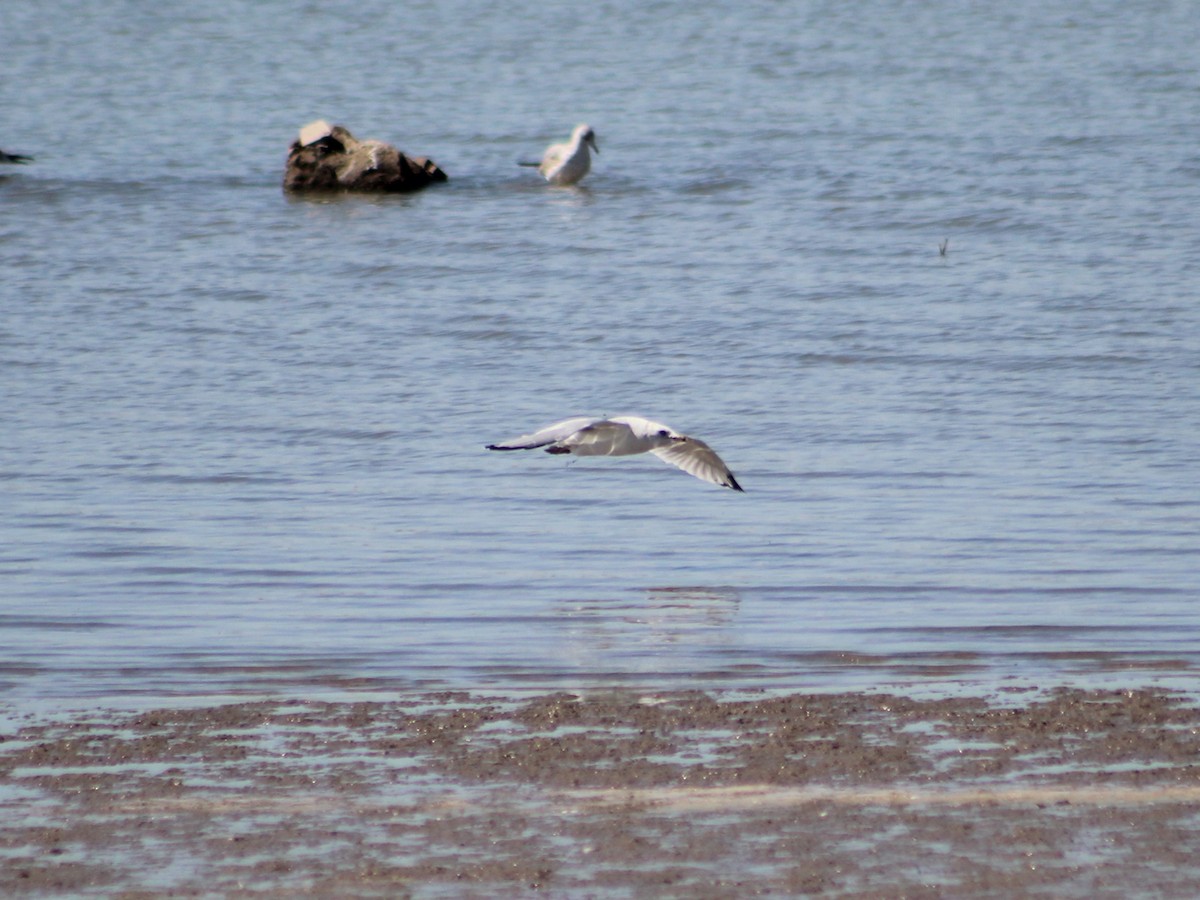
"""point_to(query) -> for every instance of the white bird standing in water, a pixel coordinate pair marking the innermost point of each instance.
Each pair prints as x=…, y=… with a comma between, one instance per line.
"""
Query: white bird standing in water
x=569, y=162
x=625, y=436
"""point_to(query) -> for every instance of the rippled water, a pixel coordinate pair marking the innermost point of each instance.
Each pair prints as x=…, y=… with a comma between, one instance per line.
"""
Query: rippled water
x=242, y=441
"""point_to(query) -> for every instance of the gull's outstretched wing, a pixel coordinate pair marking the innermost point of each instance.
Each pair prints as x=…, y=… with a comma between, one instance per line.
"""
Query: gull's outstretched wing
x=543, y=437
x=697, y=458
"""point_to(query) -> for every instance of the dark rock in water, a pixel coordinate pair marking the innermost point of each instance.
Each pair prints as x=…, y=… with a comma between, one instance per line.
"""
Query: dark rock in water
x=330, y=158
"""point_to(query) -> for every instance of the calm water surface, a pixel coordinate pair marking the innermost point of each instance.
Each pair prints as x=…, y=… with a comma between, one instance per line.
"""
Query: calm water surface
x=242, y=441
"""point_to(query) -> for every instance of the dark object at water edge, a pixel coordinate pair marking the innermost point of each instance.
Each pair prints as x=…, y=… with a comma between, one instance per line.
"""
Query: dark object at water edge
x=330, y=158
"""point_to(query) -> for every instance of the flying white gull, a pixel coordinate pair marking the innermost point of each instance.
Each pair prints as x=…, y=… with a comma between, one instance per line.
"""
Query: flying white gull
x=625, y=436
x=569, y=162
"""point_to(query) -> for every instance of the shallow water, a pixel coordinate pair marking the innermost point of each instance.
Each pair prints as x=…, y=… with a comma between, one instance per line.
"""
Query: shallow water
x=243, y=438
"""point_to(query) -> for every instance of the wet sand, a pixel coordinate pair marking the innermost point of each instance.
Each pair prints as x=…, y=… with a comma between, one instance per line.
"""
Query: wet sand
x=1070, y=793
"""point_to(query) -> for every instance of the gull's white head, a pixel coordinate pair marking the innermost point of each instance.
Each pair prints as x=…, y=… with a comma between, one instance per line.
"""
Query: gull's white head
x=583, y=134
x=656, y=432
x=664, y=437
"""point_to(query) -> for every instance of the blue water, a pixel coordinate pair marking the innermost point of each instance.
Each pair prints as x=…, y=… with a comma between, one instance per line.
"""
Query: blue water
x=241, y=449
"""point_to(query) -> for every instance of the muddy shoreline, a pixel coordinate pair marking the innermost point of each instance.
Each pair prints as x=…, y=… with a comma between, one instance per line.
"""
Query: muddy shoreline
x=613, y=794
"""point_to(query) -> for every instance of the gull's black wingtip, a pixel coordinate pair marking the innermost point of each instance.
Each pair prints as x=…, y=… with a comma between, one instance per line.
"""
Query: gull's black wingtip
x=734, y=484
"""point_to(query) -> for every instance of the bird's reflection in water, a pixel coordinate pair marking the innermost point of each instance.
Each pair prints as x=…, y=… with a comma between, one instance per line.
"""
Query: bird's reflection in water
x=694, y=605
x=692, y=620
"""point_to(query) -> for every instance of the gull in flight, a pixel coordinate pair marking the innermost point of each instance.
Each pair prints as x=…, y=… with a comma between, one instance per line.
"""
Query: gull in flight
x=569, y=162
x=625, y=436
x=14, y=158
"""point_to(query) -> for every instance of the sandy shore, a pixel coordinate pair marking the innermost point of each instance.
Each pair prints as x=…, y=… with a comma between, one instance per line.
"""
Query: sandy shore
x=1068, y=794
